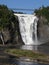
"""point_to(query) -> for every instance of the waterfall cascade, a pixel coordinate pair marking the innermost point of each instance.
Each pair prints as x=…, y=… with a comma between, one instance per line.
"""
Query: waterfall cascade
x=28, y=28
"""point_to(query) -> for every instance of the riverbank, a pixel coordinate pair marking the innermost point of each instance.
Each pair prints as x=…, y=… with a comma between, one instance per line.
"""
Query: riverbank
x=33, y=56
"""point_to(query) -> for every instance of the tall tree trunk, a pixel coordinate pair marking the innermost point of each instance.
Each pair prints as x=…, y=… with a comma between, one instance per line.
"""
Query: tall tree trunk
x=2, y=37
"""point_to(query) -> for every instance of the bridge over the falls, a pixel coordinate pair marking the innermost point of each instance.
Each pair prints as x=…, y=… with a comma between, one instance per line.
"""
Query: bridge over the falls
x=22, y=10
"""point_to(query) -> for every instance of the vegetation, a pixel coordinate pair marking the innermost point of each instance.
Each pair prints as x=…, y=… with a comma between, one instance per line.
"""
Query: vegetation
x=7, y=21
x=28, y=54
x=6, y=17
x=43, y=11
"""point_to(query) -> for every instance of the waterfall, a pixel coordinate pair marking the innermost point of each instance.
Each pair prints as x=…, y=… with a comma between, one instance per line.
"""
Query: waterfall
x=28, y=28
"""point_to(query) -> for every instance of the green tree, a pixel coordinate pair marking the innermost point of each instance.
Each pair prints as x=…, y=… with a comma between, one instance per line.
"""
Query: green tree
x=7, y=20
x=43, y=11
x=6, y=16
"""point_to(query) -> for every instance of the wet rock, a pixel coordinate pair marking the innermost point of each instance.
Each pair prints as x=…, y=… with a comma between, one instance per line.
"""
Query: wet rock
x=43, y=29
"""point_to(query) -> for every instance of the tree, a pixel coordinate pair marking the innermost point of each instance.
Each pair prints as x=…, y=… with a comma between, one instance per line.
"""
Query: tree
x=43, y=11
x=7, y=19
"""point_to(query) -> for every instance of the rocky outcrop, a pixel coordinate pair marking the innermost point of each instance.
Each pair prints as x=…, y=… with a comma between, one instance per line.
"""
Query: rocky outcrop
x=11, y=34
x=18, y=38
x=43, y=29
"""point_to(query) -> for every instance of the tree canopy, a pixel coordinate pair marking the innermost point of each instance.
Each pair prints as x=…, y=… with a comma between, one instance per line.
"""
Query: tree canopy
x=6, y=16
x=43, y=11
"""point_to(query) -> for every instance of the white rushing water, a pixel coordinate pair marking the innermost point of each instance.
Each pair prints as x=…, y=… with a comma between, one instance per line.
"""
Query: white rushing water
x=28, y=28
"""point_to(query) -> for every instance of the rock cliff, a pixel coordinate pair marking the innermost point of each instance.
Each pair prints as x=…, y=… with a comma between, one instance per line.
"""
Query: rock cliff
x=43, y=29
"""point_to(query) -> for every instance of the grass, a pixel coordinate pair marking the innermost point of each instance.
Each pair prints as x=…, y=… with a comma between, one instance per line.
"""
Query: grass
x=26, y=53
x=42, y=58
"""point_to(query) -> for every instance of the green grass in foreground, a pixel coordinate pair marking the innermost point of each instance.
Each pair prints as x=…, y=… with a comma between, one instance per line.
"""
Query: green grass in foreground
x=26, y=53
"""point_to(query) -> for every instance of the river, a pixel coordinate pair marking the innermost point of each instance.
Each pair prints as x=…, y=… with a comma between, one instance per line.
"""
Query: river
x=6, y=59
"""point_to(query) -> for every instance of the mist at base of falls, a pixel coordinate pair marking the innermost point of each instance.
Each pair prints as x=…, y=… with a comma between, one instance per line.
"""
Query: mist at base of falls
x=28, y=28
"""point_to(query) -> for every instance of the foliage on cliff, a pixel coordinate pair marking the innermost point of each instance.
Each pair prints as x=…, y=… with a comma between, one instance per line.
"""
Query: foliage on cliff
x=6, y=17
x=7, y=22
x=44, y=12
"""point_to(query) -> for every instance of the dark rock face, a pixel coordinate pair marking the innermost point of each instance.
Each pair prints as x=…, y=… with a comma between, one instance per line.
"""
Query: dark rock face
x=6, y=35
x=43, y=30
x=12, y=34
x=17, y=33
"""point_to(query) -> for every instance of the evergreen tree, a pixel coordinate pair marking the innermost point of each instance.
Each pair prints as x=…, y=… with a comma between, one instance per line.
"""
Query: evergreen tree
x=43, y=11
